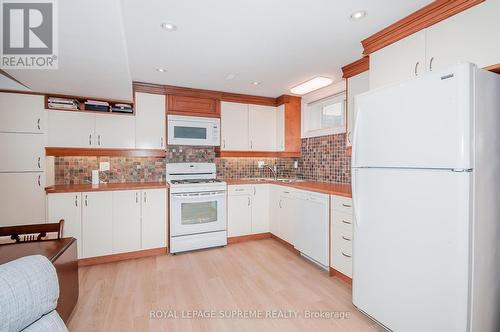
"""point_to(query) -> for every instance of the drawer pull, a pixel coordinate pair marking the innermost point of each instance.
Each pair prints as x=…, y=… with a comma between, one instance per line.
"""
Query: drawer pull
x=345, y=238
x=239, y=189
x=346, y=255
x=346, y=222
x=346, y=205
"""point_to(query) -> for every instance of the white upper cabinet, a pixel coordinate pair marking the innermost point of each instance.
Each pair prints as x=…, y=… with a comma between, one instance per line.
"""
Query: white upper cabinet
x=150, y=121
x=463, y=37
x=21, y=153
x=21, y=113
x=262, y=128
x=234, y=127
x=466, y=36
x=355, y=85
x=114, y=131
x=71, y=129
x=126, y=221
x=280, y=128
x=397, y=62
x=22, y=198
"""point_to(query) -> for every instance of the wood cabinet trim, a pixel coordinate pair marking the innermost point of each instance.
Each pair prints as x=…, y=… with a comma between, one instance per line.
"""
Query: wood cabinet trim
x=263, y=154
x=431, y=14
x=250, y=237
x=340, y=275
x=89, y=152
x=493, y=68
x=357, y=67
x=122, y=256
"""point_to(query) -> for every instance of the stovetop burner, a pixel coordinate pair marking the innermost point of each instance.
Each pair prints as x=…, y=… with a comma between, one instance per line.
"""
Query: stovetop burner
x=191, y=181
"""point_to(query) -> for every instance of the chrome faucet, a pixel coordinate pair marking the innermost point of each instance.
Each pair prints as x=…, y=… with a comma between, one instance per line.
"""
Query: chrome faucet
x=274, y=171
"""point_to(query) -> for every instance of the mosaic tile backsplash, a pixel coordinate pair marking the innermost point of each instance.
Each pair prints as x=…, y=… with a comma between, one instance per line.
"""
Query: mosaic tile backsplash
x=323, y=159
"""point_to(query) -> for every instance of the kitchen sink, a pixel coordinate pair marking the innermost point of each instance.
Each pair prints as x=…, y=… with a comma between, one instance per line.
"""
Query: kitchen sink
x=279, y=180
x=290, y=180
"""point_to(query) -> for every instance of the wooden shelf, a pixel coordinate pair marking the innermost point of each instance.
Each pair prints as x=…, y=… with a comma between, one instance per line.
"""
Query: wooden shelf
x=89, y=152
x=82, y=104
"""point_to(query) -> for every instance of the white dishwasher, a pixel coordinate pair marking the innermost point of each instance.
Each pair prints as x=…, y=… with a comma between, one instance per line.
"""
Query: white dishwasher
x=312, y=226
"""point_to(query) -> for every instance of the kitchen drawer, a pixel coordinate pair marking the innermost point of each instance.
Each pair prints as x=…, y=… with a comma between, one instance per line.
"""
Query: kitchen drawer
x=287, y=192
x=342, y=219
x=342, y=204
x=342, y=254
x=240, y=189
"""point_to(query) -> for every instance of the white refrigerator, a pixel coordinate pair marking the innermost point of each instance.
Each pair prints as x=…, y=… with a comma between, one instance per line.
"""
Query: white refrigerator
x=426, y=194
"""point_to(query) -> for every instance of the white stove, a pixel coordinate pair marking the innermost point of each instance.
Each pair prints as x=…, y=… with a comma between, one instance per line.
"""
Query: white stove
x=197, y=207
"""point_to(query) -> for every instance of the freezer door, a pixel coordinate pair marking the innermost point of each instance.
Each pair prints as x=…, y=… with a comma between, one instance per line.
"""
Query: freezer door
x=410, y=254
x=422, y=123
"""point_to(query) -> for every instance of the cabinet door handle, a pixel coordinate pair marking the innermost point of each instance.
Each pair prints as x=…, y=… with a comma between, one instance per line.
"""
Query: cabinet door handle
x=347, y=239
x=248, y=201
x=86, y=203
x=38, y=123
x=99, y=140
x=416, y=68
x=251, y=144
x=346, y=222
x=136, y=197
x=39, y=180
x=90, y=139
x=144, y=197
x=430, y=63
x=346, y=255
x=349, y=137
x=224, y=143
x=279, y=204
x=254, y=190
x=161, y=141
x=76, y=200
x=38, y=163
x=346, y=205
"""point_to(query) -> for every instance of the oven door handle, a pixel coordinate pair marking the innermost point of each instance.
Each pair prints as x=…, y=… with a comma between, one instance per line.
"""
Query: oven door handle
x=202, y=194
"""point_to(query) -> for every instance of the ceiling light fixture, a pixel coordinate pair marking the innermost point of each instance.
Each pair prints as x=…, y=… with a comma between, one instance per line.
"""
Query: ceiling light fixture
x=161, y=70
x=358, y=15
x=255, y=83
x=311, y=85
x=168, y=26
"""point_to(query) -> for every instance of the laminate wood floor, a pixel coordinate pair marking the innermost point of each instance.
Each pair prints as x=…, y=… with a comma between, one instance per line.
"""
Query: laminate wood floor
x=257, y=277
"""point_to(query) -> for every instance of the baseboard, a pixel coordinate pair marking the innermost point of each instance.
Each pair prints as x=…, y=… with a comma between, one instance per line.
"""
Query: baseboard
x=287, y=245
x=122, y=256
x=340, y=275
x=251, y=237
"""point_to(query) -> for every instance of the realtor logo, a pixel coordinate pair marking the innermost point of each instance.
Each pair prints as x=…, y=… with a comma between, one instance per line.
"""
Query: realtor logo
x=29, y=38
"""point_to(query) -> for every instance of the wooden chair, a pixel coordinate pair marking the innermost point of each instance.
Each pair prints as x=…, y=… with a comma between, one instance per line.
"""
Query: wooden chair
x=32, y=233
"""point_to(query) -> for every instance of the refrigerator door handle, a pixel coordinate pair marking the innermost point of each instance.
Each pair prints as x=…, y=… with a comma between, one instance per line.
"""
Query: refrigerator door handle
x=355, y=134
x=354, y=197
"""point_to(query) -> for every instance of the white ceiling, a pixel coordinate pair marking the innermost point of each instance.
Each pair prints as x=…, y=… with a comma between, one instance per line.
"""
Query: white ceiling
x=104, y=45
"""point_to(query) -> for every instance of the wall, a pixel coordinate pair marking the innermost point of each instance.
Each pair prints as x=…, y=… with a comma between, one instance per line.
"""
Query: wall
x=323, y=159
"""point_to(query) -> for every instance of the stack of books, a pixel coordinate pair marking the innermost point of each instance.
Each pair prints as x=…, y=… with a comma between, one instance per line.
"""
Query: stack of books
x=122, y=108
x=64, y=103
x=96, y=105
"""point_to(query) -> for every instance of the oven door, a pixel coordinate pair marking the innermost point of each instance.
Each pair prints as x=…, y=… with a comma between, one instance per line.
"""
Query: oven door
x=193, y=132
x=194, y=213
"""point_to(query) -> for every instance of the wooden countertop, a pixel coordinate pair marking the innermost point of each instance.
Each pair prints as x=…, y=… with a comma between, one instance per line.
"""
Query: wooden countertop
x=339, y=189
x=68, y=188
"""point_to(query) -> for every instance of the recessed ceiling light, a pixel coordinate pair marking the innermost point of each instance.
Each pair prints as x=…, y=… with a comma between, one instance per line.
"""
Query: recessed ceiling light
x=161, y=70
x=311, y=85
x=231, y=76
x=255, y=83
x=358, y=15
x=168, y=26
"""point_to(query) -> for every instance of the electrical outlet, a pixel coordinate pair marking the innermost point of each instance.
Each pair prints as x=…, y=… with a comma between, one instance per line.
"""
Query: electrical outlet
x=260, y=163
x=104, y=166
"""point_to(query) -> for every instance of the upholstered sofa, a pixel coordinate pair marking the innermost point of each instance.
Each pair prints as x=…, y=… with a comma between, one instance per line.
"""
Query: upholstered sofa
x=29, y=290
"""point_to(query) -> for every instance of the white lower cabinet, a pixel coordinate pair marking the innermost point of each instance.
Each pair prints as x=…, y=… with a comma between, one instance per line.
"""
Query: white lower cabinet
x=22, y=198
x=112, y=222
x=97, y=223
x=282, y=213
x=247, y=209
x=154, y=218
x=67, y=206
x=126, y=221
x=341, y=234
x=312, y=225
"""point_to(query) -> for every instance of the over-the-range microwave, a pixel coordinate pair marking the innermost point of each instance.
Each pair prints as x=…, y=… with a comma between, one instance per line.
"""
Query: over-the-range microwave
x=193, y=130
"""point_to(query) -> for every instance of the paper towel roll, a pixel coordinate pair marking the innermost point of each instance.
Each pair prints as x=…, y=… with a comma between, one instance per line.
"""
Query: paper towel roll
x=95, y=176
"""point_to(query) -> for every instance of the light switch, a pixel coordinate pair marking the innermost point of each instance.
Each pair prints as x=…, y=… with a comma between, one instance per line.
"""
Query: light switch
x=104, y=166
